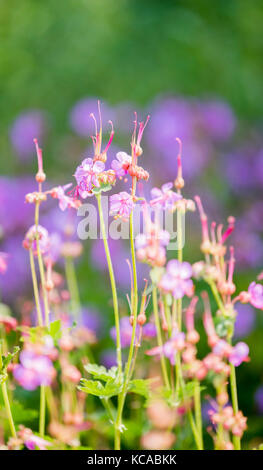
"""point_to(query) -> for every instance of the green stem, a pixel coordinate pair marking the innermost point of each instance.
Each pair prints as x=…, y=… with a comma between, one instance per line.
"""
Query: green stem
x=35, y=287
x=41, y=267
x=122, y=396
x=198, y=413
x=217, y=296
x=42, y=411
x=233, y=386
x=159, y=337
x=107, y=405
x=72, y=286
x=6, y=400
x=113, y=285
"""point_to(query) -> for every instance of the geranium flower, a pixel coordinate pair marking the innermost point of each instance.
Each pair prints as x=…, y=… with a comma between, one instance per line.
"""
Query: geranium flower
x=256, y=295
x=87, y=176
x=43, y=236
x=121, y=205
x=65, y=201
x=239, y=354
x=34, y=370
x=164, y=198
x=122, y=164
x=177, y=279
x=3, y=262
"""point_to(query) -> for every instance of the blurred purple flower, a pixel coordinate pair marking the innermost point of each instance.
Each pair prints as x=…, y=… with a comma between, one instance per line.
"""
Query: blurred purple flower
x=218, y=119
x=17, y=276
x=15, y=214
x=259, y=399
x=80, y=119
x=239, y=354
x=26, y=127
x=245, y=320
x=121, y=205
x=34, y=370
x=108, y=358
x=125, y=330
x=164, y=198
x=256, y=295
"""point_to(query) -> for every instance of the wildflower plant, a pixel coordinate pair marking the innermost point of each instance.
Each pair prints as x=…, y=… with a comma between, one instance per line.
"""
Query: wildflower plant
x=157, y=355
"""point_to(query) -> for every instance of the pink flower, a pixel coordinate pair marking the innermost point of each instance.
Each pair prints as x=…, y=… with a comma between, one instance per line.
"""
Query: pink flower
x=43, y=236
x=121, y=205
x=256, y=295
x=239, y=354
x=87, y=176
x=170, y=348
x=3, y=262
x=177, y=279
x=65, y=202
x=34, y=370
x=164, y=198
x=31, y=441
x=121, y=165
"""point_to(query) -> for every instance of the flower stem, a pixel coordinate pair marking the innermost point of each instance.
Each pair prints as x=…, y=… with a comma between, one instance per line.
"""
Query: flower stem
x=72, y=286
x=159, y=337
x=198, y=413
x=122, y=396
x=6, y=400
x=233, y=386
x=41, y=267
x=113, y=285
x=42, y=411
x=35, y=287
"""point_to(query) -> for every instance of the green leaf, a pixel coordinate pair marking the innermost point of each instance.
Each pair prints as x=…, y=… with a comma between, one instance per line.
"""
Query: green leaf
x=94, y=387
x=140, y=387
x=55, y=329
x=5, y=310
x=21, y=414
x=103, y=188
x=100, y=372
x=112, y=388
x=3, y=378
x=8, y=358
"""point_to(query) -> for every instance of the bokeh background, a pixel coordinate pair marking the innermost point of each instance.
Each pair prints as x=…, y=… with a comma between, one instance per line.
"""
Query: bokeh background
x=196, y=68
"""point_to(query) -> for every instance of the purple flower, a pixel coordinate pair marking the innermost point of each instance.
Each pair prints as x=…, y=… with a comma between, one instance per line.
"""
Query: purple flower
x=34, y=370
x=256, y=295
x=149, y=330
x=164, y=198
x=259, y=399
x=44, y=240
x=80, y=119
x=108, y=358
x=177, y=279
x=3, y=262
x=121, y=165
x=87, y=176
x=65, y=201
x=121, y=205
x=125, y=330
x=170, y=348
x=239, y=354
x=245, y=320
x=218, y=119
x=26, y=127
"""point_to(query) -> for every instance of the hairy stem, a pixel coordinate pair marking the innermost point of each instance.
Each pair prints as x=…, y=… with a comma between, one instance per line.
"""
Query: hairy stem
x=113, y=285
x=6, y=400
x=122, y=395
x=233, y=386
x=72, y=286
x=35, y=287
